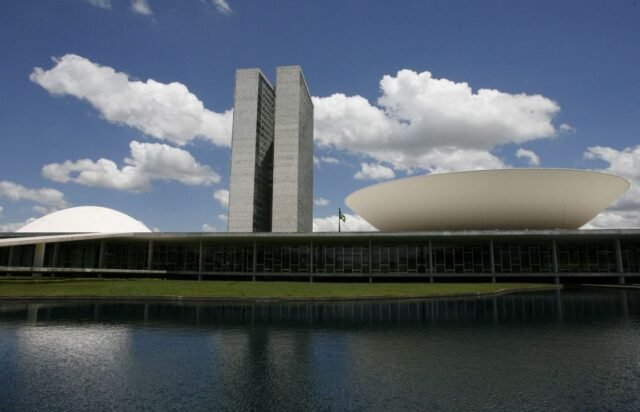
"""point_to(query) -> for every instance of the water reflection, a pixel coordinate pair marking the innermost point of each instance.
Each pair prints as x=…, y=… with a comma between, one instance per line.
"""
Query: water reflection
x=533, y=307
x=558, y=350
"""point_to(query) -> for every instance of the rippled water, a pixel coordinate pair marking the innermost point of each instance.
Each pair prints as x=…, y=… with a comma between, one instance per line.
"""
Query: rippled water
x=571, y=350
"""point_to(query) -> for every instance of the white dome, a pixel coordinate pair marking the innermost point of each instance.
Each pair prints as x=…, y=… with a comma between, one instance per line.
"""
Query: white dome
x=488, y=199
x=85, y=219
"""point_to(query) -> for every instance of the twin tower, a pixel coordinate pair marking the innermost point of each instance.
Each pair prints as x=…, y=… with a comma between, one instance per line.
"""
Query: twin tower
x=271, y=187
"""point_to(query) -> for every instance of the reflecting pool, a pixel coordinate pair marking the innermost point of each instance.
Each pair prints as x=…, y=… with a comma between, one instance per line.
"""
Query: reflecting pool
x=569, y=350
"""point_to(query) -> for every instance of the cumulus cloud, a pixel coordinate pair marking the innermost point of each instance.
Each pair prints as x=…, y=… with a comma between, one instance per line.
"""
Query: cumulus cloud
x=320, y=201
x=318, y=161
x=141, y=7
x=165, y=111
x=222, y=6
x=222, y=196
x=374, y=172
x=222, y=217
x=419, y=121
x=615, y=219
x=12, y=227
x=48, y=199
x=103, y=4
x=353, y=223
x=209, y=228
x=625, y=212
x=567, y=128
x=529, y=155
x=329, y=159
x=1, y=209
x=148, y=162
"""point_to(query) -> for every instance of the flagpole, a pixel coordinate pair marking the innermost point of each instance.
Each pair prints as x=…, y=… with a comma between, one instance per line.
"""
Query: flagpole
x=339, y=215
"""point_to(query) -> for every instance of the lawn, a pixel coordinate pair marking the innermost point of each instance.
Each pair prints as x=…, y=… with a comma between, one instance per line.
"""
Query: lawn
x=148, y=288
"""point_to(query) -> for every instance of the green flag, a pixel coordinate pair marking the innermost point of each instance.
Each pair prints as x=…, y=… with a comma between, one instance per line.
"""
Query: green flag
x=341, y=216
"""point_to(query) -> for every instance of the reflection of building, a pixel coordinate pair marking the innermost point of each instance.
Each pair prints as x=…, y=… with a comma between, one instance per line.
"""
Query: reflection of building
x=272, y=153
x=438, y=226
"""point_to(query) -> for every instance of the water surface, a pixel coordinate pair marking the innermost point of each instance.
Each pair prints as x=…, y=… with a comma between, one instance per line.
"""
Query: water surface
x=570, y=350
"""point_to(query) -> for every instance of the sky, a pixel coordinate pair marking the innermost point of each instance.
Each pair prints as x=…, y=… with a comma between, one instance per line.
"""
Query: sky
x=128, y=104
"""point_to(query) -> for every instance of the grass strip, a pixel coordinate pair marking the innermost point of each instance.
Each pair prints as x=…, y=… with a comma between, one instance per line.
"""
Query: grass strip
x=146, y=288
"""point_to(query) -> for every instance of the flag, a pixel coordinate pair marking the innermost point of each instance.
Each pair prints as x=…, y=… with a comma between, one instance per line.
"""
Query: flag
x=341, y=216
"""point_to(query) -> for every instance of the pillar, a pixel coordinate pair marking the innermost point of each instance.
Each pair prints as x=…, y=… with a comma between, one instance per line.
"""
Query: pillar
x=554, y=258
x=255, y=260
x=493, y=262
x=38, y=258
x=101, y=265
x=431, y=259
x=200, y=259
x=150, y=256
x=619, y=265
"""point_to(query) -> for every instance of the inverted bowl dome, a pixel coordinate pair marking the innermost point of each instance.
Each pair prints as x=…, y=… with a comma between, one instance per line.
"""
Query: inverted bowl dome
x=85, y=219
x=488, y=199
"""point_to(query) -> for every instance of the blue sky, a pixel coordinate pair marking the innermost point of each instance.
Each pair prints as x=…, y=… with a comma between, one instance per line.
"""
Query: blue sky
x=396, y=86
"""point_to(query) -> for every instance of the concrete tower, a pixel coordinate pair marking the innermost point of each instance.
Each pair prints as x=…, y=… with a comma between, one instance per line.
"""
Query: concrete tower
x=271, y=185
x=250, y=189
x=293, y=153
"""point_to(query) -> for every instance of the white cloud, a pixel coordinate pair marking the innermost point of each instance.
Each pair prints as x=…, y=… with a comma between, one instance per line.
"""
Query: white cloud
x=353, y=223
x=330, y=160
x=222, y=217
x=222, y=196
x=12, y=227
x=49, y=199
x=103, y=4
x=321, y=201
x=208, y=228
x=165, y=111
x=615, y=219
x=141, y=7
x=531, y=157
x=421, y=121
x=567, y=128
x=625, y=212
x=374, y=172
x=222, y=6
x=1, y=209
x=318, y=161
x=148, y=162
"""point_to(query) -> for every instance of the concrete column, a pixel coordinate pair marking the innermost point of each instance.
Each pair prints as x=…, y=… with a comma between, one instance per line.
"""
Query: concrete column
x=56, y=255
x=619, y=265
x=370, y=258
x=38, y=258
x=431, y=259
x=493, y=262
x=12, y=255
x=201, y=258
x=101, y=265
x=150, y=256
x=311, y=256
x=554, y=256
x=255, y=259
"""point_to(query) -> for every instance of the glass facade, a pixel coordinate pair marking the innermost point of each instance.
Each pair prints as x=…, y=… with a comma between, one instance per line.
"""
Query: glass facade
x=374, y=256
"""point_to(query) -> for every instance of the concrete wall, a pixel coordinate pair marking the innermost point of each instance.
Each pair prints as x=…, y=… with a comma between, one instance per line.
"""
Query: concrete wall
x=293, y=153
x=251, y=153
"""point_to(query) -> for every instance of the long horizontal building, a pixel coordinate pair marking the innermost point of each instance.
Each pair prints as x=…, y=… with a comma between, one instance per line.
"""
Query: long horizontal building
x=549, y=255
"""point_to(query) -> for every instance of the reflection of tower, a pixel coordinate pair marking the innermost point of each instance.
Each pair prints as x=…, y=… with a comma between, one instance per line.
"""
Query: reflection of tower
x=271, y=185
